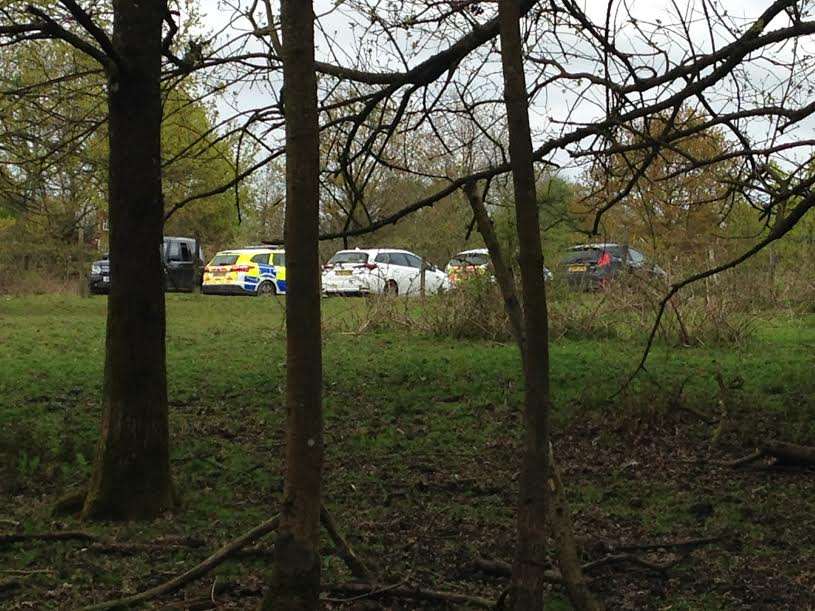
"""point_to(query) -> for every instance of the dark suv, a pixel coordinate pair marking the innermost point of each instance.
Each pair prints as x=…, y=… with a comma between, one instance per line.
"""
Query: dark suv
x=593, y=266
x=179, y=267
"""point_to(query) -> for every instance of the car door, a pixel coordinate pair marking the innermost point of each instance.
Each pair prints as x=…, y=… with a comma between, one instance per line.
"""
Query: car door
x=406, y=276
x=431, y=285
x=179, y=265
x=381, y=274
x=434, y=278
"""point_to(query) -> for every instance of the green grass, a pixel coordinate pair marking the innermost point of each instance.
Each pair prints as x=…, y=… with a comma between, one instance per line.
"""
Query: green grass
x=421, y=433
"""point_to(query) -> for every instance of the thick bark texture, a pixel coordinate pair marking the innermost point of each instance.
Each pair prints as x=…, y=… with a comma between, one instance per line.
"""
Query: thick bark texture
x=131, y=475
x=295, y=581
x=541, y=495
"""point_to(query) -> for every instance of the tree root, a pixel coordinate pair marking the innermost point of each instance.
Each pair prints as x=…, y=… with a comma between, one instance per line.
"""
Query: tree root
x=201, y=569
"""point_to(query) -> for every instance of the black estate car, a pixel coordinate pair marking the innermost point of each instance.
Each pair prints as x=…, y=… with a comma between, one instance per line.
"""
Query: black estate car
x=592, y=266
x=179, y=267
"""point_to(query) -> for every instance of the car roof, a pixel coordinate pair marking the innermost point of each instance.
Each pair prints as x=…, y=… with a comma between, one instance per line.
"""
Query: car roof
x=473, y=251
x=178, y=238
x=600, y=245
x=374, y=251
x=256, y=249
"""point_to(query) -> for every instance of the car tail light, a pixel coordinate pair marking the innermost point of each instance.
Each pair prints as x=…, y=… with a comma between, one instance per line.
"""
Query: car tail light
x=368, y=266
x=605, y=259
x=328, y=266
x=240, y=268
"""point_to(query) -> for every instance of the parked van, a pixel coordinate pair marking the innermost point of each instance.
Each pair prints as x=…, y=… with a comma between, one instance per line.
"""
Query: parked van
x=179, y=267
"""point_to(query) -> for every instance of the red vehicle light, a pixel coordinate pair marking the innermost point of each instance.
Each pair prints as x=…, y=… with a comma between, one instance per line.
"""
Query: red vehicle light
x=605, y=259
x=240, y=268
x=367, y=266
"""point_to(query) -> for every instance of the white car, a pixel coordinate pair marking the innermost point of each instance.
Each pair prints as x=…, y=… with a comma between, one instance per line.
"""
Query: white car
x=380, y=270
x=477, y=261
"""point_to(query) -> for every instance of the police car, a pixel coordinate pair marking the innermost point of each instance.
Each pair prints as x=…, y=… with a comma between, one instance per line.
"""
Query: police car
x=254, y=270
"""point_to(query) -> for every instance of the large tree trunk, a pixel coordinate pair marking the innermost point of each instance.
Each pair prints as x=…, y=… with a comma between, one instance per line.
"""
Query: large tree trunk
x=295, y=581
x=131, y=475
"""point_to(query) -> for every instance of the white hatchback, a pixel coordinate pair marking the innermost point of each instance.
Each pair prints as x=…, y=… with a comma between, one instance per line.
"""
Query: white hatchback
x=380, y=271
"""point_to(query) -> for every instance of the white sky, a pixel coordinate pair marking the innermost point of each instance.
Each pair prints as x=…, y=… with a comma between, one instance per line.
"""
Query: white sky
x=557, y=104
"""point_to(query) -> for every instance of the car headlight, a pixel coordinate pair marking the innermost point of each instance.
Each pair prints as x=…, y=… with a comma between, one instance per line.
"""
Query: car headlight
x=96, y=269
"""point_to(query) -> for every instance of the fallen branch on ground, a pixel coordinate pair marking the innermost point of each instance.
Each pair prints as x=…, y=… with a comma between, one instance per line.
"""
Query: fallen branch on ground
x=365, y=590
x=357, y=567
x=636, y=561
x=681, y=544
x=59, y=535
x=685, y=546
x=126, y=549
x=201, y=569
x=788, y=454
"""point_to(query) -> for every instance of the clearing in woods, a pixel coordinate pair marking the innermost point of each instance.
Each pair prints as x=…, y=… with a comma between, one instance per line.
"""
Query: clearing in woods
x=421, y=438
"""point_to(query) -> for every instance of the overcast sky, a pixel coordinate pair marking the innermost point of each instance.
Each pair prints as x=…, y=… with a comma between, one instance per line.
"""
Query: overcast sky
x=558, y=103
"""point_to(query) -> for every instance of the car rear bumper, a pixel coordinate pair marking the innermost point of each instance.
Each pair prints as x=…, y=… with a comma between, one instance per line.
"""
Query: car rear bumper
x=224, y=289
x=348, y=285
x=348, y=291
x=98, y=284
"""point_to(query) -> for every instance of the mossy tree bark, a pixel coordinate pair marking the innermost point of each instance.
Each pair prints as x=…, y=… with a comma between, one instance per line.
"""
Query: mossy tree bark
x=131, y=475
x=295, y=579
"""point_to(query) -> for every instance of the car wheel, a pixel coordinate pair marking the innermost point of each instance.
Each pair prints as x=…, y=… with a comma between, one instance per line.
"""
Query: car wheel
x=391, y=288
x=266, y=289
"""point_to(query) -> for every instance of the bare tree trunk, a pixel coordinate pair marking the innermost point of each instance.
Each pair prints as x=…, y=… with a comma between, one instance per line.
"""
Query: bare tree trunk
x=295, y=581
x=537, y=473
x=131, y=475
x=530, y=556
x=503, y=273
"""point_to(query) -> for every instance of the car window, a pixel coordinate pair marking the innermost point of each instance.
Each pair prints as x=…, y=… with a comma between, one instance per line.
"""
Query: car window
x=470, y=258
x=635, y=256
x=414, y=261
x=186, y=251
x=279, y=259
x=262, y=258
x=173, y=251
x=349, y=257
x=383, y=257
x=582, y=255
x=397, y=258
x=224, y=260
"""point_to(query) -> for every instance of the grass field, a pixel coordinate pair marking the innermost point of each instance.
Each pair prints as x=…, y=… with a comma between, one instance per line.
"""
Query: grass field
x=421, y=437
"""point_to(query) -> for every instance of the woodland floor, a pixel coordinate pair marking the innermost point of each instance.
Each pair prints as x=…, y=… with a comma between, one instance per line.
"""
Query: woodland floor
x=421, y=473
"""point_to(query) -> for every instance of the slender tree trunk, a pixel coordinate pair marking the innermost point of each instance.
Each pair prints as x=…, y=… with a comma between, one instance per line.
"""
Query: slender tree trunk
x=541, y=495
x=295, y=581
x=131, y=475
x=530, y=556
x=503, y=273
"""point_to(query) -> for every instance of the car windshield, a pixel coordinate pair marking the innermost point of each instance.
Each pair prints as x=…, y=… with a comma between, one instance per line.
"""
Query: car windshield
x=349, y=257
x=224, y=260
x=471, y=258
